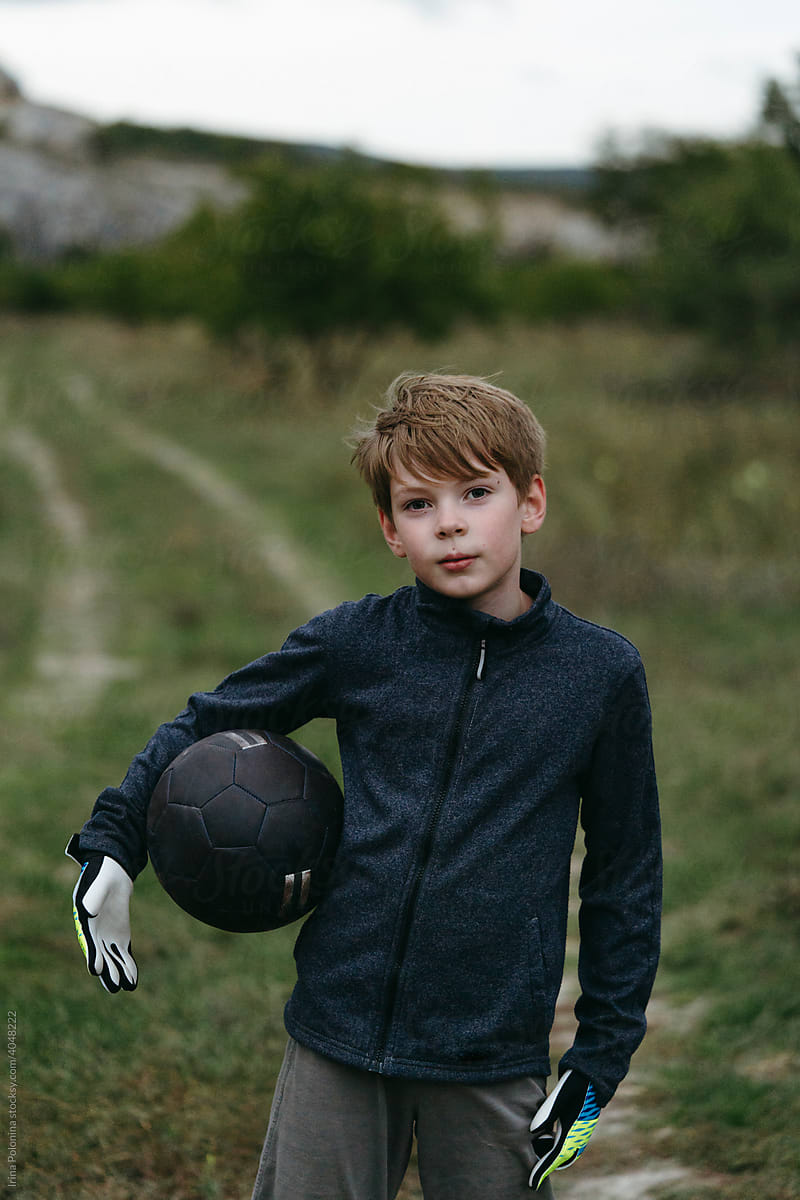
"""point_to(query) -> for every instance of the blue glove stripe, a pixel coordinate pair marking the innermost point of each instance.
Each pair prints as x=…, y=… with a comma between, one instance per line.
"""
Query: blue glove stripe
x=591, y=1109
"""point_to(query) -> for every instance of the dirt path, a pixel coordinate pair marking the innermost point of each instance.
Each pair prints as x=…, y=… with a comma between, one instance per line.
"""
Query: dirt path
x=71, y=664
x=261, y=529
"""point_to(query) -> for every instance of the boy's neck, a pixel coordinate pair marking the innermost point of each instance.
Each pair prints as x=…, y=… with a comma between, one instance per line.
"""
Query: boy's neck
x=504, y=607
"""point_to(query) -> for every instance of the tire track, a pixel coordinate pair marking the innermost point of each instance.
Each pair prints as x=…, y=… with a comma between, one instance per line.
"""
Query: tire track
x=71, y=665
x=301, y=576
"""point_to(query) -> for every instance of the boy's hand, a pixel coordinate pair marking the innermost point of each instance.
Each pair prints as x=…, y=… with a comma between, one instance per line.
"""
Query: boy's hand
x=563, y=1125
x=100, y=904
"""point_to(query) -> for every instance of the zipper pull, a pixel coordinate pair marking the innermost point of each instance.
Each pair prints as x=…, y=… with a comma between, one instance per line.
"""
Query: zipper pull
x=481, y=660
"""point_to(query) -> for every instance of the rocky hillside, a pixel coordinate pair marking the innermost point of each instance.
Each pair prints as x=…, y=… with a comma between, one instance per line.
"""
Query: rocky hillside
x=56, y=194
x=59, y=192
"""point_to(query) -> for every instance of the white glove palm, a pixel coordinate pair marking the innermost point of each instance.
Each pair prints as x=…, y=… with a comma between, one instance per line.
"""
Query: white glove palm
x=100, y=909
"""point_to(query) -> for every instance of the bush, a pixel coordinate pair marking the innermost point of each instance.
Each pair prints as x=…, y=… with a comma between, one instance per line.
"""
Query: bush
x=25, y=287
x=564, y=290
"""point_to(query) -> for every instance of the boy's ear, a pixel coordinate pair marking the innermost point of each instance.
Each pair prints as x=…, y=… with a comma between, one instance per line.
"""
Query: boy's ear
x=390, y=533
x=534, y=505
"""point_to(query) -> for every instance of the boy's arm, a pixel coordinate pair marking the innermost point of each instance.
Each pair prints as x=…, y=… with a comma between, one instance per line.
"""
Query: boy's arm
x=620, y=893
x=279, y=692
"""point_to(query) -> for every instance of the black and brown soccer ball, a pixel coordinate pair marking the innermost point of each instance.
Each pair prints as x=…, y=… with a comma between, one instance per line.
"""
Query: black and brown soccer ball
x=242, y=830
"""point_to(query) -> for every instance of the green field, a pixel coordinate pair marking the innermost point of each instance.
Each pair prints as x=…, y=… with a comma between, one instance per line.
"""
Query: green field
x=145, y=477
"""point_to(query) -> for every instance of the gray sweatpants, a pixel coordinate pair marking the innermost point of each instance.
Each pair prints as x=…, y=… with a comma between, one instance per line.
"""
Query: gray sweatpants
x=339, y=1133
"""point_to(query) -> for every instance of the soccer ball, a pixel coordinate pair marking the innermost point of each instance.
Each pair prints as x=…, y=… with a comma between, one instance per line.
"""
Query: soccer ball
x=242, y=829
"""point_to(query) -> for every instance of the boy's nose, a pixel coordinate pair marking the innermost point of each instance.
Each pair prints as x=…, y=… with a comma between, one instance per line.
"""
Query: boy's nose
x=450, y=525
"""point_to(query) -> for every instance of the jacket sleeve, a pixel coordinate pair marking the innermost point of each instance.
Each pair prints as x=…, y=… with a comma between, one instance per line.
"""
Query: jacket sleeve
x=278, y=692
x=620, y=892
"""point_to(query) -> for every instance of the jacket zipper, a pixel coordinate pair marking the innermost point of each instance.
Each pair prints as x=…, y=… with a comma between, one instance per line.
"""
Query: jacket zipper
x=476, y=674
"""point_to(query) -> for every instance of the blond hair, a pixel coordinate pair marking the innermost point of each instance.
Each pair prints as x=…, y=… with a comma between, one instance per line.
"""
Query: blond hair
x=440, y=426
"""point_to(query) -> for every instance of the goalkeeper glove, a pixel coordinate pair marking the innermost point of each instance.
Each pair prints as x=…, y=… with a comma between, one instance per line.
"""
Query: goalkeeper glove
x=563, y=1125
x=100, y=904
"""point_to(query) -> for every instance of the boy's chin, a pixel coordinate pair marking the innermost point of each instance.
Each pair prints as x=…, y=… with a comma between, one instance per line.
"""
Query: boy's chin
x=455, y=586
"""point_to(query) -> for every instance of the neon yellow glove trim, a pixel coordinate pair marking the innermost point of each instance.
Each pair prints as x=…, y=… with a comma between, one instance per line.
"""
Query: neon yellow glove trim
x=79, y=931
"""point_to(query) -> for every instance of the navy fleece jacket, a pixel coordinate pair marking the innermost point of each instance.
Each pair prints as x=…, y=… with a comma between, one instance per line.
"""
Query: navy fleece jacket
x=471, y=748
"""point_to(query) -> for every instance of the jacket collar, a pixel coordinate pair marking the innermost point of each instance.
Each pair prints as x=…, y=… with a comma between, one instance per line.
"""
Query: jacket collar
x=435, y=608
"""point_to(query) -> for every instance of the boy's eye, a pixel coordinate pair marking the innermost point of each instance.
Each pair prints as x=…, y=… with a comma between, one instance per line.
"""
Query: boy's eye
x=477, y=493
x=416, y=505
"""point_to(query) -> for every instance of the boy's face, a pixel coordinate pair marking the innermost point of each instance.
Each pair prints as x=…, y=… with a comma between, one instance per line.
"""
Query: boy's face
x=463, y=538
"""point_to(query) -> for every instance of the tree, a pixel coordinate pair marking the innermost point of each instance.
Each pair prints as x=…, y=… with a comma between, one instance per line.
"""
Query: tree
x=340, y=248
x=728, y=249
x=780, y=113
x=723, y=223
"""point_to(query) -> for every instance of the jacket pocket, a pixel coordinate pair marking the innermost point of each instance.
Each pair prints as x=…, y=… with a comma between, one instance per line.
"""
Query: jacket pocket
x=537, y=972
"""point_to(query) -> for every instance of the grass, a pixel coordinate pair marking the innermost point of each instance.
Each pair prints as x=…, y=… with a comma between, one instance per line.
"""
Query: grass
x=671, y=518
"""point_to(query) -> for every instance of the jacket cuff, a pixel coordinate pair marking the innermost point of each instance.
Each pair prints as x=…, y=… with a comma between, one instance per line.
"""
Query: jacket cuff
x=604, y=1083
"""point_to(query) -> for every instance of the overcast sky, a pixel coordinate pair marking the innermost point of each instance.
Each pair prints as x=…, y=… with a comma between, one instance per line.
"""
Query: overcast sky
x=449, y=82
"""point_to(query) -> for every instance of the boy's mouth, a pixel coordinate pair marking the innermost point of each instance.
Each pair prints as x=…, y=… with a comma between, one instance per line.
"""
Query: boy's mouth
x=456, y=562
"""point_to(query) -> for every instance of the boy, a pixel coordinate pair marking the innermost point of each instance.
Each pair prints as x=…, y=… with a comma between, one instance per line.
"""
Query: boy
x=478, y=722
